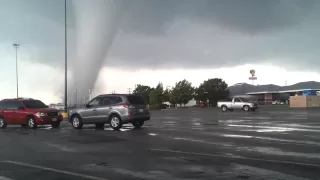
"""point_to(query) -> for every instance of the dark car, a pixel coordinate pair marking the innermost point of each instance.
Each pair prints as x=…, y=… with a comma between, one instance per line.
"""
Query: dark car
x=28, y=113
x=114, y=109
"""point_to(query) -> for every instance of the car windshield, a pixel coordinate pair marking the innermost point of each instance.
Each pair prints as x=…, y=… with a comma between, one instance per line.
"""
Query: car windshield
x=34, y=104
x=136, y=99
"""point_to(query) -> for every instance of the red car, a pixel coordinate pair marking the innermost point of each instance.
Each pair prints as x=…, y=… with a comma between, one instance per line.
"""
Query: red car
x=28, y=113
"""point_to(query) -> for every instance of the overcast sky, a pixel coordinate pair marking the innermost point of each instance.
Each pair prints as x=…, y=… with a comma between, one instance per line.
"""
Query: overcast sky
x=147, y=41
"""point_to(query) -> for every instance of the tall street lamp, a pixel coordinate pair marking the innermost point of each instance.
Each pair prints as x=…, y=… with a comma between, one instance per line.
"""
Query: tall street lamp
x=76, y=94
x=65, y=59
x=16, y=46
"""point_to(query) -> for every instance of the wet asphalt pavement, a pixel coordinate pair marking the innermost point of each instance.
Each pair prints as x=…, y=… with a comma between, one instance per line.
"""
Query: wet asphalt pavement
x=272, y=143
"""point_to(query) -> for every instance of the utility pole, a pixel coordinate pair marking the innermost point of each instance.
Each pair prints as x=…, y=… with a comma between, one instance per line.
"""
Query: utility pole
x=65, y=59
x=76, y=94
x=16, y=46
x=129, y=90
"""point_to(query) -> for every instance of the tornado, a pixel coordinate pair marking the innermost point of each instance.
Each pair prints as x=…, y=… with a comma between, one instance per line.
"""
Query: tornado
x=96, y=24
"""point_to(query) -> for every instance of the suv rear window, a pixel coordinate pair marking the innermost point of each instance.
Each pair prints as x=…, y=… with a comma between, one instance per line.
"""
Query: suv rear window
x=134, y=99
x=34, y=104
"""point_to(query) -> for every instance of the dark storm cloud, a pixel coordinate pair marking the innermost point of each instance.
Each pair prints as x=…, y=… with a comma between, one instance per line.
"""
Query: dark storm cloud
x=165, y=33
x=215, y=33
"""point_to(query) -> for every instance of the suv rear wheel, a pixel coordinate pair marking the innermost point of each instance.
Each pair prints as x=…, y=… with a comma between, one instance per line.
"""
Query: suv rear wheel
x=76, y=122
x=115, y=122
x=32, y=123
x=3, y=123
x=137, y=124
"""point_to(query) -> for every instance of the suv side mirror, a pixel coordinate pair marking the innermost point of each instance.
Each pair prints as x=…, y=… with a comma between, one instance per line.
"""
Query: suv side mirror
x=87, y=105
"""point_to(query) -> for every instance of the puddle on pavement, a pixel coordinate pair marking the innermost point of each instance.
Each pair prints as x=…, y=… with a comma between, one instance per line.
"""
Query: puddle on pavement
x=171, y=117
x=196, y=124
x=203, y=141
x=274, y=151
x=169, y=122
x=152, y=134
x=254, y=172
x=257, y=117
x=233, y=121
x=61, y=147
x=301, y=126
x=271, y=139
x=270, y=128
x=236, y=135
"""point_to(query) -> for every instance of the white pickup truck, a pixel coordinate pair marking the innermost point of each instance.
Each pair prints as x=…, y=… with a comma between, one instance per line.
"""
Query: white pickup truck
x=237, y=103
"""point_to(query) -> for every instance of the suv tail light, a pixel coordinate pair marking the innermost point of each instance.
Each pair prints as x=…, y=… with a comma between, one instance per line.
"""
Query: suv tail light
x=128, y=106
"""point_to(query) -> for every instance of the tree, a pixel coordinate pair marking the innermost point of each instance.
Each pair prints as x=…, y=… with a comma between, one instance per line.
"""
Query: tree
x=166, y=95
x=144, y=91
x=156, y=95
x=182, y=92
x=212, y=90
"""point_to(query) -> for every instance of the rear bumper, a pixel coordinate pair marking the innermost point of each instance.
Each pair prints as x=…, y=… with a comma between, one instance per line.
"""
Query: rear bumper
x=47, y=120
x=133, y=118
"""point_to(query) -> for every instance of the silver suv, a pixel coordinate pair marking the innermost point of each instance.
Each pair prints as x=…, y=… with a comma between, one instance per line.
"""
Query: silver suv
x=115, y=109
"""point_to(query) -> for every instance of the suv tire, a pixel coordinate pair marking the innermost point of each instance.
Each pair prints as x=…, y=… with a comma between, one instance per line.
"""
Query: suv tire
x=76, y=122
x=32, y=123
x=246, y=108
x=115, y=122
x=224, y=108
x=137, y=124
x=3, y=123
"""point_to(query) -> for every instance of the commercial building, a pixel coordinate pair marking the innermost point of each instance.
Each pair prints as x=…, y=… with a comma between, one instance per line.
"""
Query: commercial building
x=267, y=97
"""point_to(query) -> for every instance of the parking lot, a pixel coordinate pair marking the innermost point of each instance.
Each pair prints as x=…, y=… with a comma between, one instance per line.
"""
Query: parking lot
x=191, y=143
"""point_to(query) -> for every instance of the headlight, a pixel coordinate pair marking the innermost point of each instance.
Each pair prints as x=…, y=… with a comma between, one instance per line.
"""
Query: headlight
x=39, y=114
x=251, y=104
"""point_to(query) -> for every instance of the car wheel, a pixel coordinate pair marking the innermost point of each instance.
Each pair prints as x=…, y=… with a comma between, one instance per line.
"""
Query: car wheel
x=55, y=124
x=224, y=108
x=137, y=124
x=246, y=108
x=3, y=123
x=32, y=123
x=115, y=122
x=23, y=125
x=76, y=122
x=99, y=125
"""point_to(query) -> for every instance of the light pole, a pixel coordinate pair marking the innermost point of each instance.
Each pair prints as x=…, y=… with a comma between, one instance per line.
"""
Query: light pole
x=76, y=94
x=16, y=46
x=65, y=59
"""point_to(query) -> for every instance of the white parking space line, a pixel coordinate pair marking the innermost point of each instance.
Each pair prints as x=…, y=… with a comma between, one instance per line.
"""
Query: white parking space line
x=236, y=157
x=54, y=170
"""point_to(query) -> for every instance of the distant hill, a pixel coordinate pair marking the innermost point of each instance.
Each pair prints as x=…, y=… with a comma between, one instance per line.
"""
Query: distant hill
x=243, y=88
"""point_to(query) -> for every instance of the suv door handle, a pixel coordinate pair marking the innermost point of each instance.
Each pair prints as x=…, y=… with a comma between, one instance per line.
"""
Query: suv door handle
x=94, y=110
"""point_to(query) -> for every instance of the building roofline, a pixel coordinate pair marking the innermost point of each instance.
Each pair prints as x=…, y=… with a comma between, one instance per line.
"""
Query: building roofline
x=278, y=92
